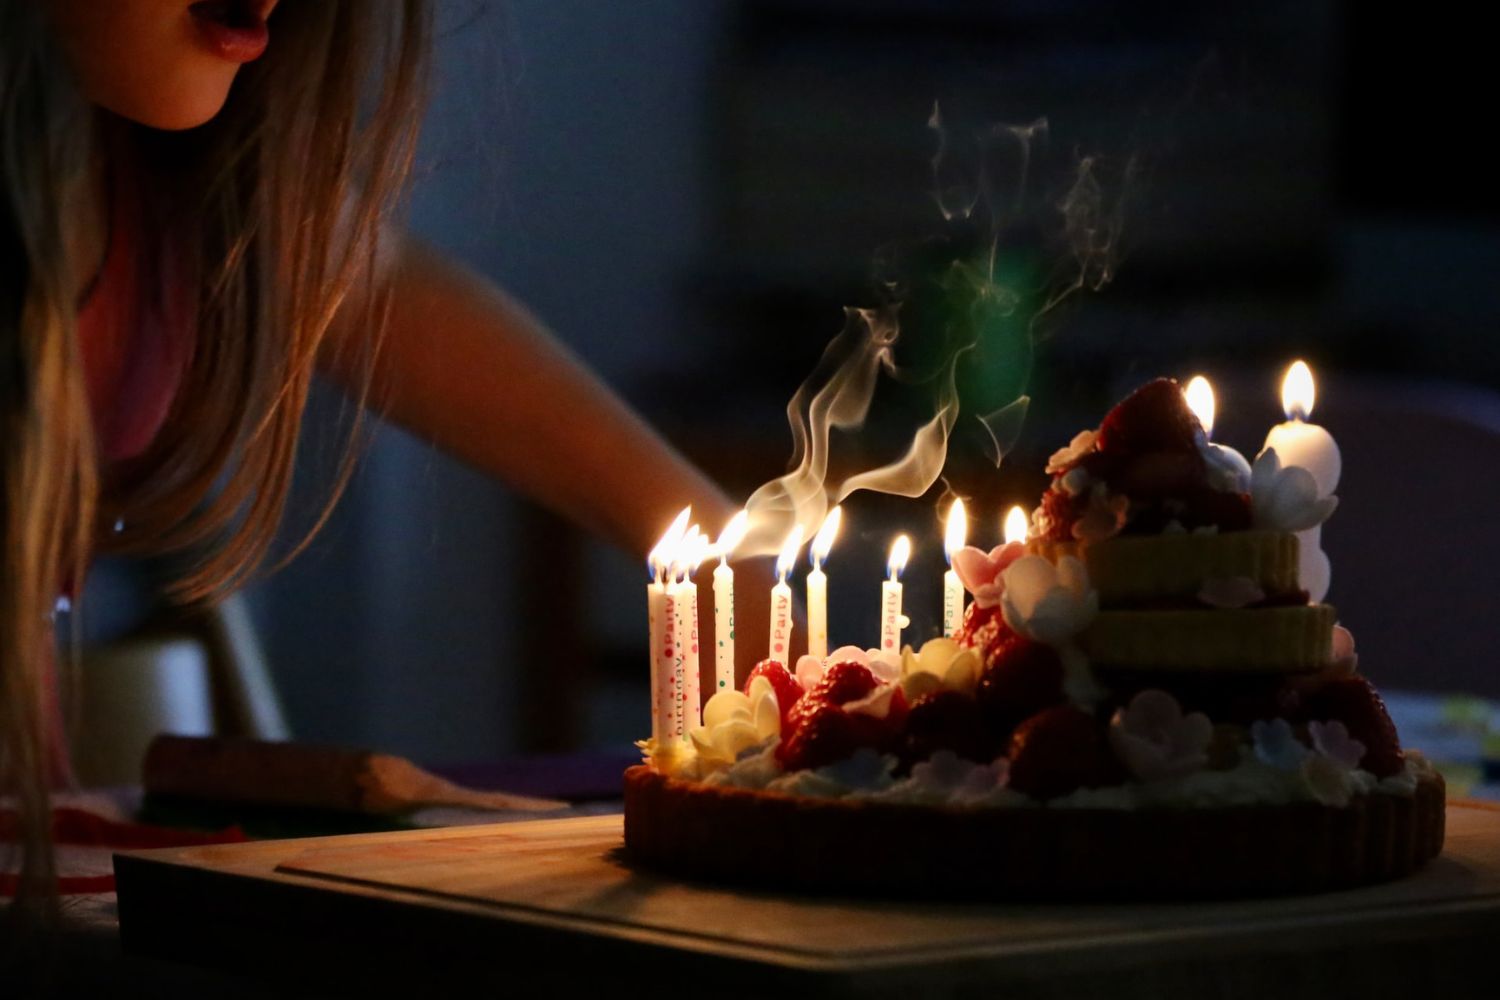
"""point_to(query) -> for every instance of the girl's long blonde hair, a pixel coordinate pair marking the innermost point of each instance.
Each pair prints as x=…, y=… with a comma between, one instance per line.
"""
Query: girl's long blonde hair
x=274, y=210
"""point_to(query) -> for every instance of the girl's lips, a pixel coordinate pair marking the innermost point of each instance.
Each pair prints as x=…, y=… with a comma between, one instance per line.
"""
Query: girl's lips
x=234, y=30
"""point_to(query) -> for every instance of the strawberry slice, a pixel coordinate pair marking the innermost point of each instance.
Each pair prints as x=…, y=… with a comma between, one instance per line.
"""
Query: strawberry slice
x=946, y=720
x=983, y=629
x=1020, y=678
x=1355, y=702
x=788, y=689
x=819, y=733
x=844, y=681
x=1153, y=418
x=1059, y=751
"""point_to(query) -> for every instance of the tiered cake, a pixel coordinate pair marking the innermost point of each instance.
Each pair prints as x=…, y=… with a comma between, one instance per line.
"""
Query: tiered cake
x=1142, y=701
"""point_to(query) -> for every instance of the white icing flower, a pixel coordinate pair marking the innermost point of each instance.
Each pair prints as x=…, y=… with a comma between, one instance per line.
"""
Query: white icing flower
x=876, y=704
x=1332, y=739
x=735, y=722
x=1076, y=480
x=1328, y=780
x=1104, y=517
x=1082, y=443
x=941, y=665
x=1153, y=739
x=1046, y=602
x=1228, y=471
x=1345, y=662
x=1231, y=592
x=946, y=779
x=1276, y=745
x=1286, y=499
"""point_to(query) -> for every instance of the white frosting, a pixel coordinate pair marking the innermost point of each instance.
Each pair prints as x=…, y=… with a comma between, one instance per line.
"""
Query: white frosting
x=1046, y=602
x=1286, y=498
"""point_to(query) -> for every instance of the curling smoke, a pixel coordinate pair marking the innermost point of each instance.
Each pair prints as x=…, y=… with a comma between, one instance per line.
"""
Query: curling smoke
x=983, y=185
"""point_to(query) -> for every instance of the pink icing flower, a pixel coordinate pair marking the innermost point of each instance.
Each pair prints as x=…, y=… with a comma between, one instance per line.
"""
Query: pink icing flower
x=980, y=571
x=1153, y=739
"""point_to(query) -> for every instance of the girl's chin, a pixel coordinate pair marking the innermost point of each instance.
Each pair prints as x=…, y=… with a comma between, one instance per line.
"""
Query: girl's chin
x=184, y=107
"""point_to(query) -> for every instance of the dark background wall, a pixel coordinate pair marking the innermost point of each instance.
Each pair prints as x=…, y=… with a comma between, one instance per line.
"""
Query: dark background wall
x=689, y=192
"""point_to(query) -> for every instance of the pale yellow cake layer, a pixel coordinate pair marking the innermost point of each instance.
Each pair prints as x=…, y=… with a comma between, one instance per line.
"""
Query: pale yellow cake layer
x=1136, y=568
x=1272, y=640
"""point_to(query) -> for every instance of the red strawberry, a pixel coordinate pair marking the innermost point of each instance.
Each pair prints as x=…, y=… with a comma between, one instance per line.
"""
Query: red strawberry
x=844, y=681
x=1153, y=418
x=788, y=689
x=1059, y=751
x=1019, y=679
x=983, y=629
x=1060, y=511
x=820, y=734
x=946, y=720
x=1227, y=511
x=1355, y=702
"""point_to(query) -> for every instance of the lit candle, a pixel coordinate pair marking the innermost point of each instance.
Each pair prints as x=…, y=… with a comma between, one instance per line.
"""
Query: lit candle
x=690, y=554
x=817, y=585
x=892, y=621
x=781, y=598
x=1017, y=526
x=1312, y=448
x=954, y=538
x=1223, y=459
x=661, y=618
x=731, y=536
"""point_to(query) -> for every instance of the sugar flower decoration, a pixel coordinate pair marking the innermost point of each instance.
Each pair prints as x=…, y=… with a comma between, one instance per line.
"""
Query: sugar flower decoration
x=981, y=572
x=1064, y=458
x=1231, y=592
x=1275, y=745
x=1286, y=499
x=734, y=722
x=1154, y=739
x=940, y=665
x=1046, y=602
x=1332, y=739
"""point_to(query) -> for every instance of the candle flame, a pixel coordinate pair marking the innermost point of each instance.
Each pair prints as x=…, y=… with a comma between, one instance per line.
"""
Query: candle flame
x=1200, y=399
x=664, y=554
x=823, y=541
x=788, y=557
x=689, y=553
x=1298, y=391
x=1016, y=527
x=900, y=553
x=957, y=532
x=732, y=535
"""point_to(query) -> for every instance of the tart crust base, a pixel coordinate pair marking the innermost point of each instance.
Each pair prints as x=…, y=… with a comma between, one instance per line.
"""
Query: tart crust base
x=774, y=841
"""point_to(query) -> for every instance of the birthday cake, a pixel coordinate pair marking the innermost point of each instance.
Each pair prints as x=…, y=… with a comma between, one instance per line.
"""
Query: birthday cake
x=1146, y=698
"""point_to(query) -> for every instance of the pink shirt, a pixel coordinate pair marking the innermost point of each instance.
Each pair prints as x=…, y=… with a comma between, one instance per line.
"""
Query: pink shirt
x=134, y=336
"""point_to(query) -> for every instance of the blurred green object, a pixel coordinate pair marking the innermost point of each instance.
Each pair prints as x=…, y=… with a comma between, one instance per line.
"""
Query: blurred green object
x=1467, y=713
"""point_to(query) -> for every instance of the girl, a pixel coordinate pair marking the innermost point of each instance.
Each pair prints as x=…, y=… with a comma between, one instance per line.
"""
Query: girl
x=196, y=204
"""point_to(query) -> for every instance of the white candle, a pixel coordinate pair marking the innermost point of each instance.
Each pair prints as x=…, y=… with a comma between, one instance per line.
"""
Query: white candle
x=661, y=614
x=691, y=553
x=671, y=663
x=892, y=621
x=781, y=599
x=953, y=590
x=733, y=533
x=1310, y=447
x=656, y=605
x=817, y=585
x=1221, y=458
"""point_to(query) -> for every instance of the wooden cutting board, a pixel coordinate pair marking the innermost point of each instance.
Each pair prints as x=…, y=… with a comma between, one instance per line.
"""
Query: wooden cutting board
x=551, y=904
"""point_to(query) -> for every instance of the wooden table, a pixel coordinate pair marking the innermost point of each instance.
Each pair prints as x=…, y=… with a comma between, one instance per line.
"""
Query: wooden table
x=551, y=905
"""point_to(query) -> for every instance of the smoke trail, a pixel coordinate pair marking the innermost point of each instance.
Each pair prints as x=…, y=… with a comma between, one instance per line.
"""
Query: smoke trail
x=981, y=189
